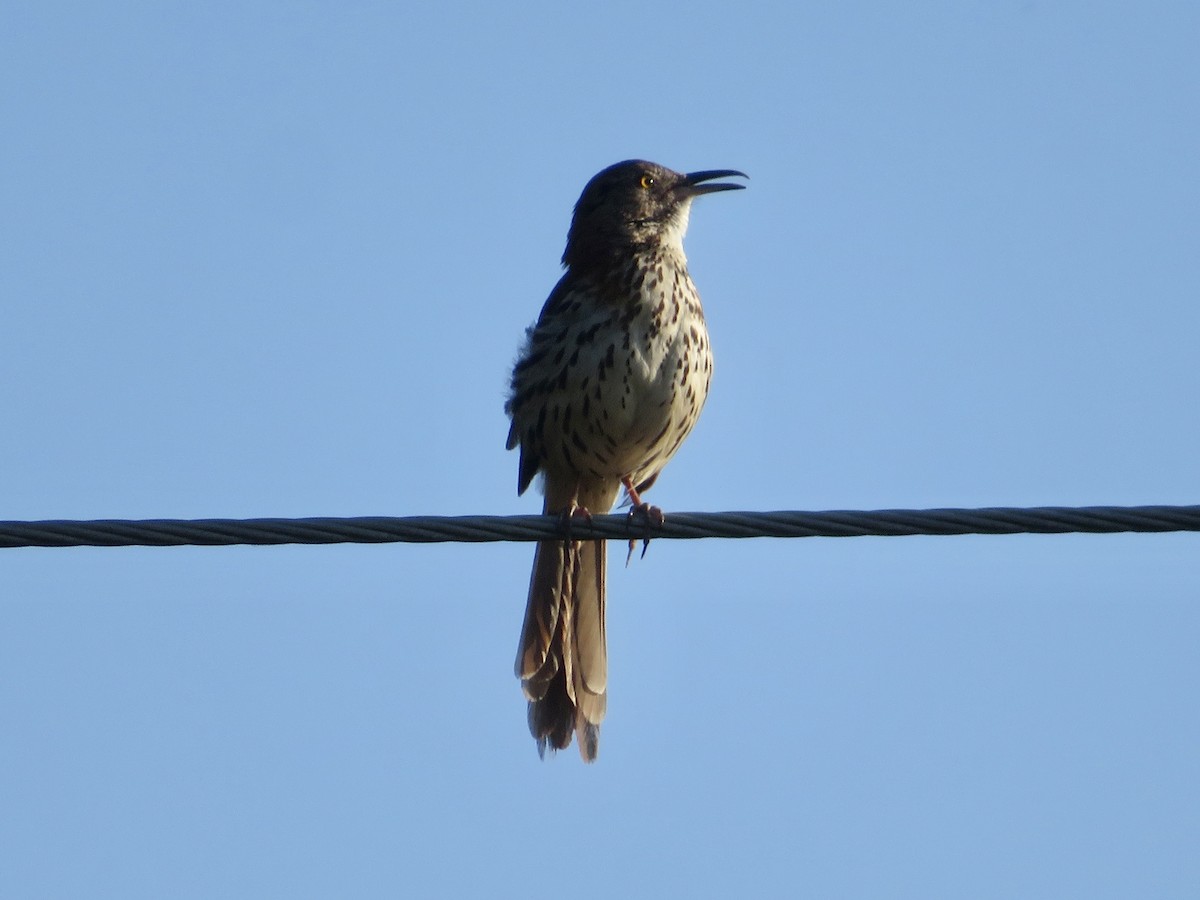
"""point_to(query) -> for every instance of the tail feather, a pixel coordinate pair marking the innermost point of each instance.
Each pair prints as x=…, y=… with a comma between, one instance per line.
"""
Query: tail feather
x=562, y=659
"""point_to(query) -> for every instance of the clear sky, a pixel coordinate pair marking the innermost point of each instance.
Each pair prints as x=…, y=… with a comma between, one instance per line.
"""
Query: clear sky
x=276, y=260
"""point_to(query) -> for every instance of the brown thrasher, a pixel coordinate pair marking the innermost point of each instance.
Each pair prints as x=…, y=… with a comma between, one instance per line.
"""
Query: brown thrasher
x=610, y=381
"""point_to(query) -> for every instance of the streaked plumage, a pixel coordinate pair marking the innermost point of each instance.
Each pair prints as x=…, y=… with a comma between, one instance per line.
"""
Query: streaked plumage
x=611, y=380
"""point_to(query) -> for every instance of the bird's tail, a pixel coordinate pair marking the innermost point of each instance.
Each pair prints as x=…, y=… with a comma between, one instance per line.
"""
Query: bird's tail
x=562, y=659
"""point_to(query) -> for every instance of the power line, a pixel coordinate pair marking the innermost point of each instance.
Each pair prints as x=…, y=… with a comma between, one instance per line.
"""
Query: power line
x=440, y=529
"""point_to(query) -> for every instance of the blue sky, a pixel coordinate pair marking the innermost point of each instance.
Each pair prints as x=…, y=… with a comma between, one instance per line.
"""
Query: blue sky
x=276, y=260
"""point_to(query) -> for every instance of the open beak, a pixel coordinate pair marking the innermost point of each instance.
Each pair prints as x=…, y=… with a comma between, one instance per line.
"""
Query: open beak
x=694, y=182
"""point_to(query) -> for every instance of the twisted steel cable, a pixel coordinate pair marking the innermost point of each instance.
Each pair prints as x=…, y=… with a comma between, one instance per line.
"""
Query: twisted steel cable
x=441, y=529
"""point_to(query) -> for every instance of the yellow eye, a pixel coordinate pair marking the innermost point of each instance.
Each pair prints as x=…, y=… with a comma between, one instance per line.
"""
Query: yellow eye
x=647, y=181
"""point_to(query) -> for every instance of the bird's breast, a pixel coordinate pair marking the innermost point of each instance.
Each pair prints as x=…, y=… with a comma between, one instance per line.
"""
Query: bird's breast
x=614, y=375
x=651, y=396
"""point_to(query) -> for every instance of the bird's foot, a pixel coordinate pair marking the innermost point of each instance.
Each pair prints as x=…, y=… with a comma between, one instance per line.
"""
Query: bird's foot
x=643, y=513
x=570, y=515
x=648, y=516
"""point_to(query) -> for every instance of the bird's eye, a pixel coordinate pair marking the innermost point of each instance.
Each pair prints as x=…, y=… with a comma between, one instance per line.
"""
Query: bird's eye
x=647, y=181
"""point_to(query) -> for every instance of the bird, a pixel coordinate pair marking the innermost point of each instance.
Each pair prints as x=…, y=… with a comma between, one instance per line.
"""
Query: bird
x=608, y=383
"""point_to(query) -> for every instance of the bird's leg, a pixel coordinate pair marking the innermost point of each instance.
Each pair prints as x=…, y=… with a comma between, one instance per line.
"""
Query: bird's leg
x=641, y=509
x=572, y=512
x=649, y=515
x=567, y=517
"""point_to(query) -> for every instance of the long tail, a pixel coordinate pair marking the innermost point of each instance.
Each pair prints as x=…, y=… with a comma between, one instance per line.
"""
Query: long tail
x=562, y=659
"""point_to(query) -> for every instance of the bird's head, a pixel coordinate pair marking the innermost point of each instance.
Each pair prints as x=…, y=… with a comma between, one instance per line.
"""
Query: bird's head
x=636, y=204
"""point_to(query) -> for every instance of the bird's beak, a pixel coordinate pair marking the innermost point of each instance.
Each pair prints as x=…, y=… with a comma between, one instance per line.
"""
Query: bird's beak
x=693, y=182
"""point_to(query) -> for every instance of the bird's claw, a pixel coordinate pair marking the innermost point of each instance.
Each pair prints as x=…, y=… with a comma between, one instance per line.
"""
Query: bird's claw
x=569, y=515
x=650, y=516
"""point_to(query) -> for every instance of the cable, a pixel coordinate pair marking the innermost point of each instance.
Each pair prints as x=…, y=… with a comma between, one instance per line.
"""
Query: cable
x=439, y=529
